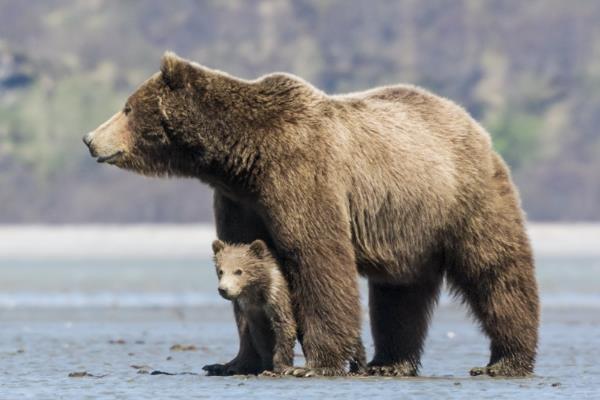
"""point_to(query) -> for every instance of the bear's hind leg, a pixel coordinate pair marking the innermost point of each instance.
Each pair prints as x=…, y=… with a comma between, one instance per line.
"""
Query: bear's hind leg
x=494, y=273
x=399, y=320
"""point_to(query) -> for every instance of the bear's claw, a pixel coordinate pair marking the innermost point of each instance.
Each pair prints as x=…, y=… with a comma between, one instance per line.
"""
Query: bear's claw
x=501, y=369
x=401, y=369
x=511, y=366
x=270, y=374
x=478, y=371
x=305, y=372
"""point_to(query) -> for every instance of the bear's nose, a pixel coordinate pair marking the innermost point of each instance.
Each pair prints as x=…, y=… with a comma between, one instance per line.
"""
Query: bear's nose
x=223, y=293
x=87, y=139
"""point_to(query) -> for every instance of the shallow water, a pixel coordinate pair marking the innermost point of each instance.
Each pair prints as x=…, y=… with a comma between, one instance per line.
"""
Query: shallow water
x=104, y=316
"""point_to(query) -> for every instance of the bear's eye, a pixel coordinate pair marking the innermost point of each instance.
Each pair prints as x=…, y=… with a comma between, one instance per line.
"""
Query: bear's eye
x=220, y=272
x=238, y=272
x=127, y=109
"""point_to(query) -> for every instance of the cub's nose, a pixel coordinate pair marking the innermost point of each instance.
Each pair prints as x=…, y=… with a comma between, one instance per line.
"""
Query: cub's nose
x=223, y=293
x=87, y=139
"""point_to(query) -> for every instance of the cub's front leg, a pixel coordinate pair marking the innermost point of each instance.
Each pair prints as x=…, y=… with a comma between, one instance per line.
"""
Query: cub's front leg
x=247, y=362
x=284, y=327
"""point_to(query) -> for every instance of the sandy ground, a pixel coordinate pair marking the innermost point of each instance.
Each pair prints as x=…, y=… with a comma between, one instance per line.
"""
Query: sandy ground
x=107, y=303
x=167, y=241
x=112, y=353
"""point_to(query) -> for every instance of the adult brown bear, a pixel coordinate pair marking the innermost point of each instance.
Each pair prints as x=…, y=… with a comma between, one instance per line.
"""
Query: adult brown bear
x=395, y=183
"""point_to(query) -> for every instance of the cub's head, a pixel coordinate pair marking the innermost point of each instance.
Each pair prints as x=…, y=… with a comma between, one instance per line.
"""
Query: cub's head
x=241, y=268
x=171, y=124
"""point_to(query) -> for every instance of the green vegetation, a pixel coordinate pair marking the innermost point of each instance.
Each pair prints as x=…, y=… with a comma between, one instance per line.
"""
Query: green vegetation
x=529, y=71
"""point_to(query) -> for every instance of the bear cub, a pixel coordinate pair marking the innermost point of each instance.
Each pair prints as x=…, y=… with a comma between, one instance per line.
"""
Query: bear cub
x=250, y=277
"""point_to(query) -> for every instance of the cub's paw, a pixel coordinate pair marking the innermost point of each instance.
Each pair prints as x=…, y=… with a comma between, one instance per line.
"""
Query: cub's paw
x=216, y=370
x=399, y=369
x=304, y=372
x=232, y=369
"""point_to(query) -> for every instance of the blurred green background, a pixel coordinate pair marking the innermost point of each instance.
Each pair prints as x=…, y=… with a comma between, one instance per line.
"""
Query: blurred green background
x=528, y=70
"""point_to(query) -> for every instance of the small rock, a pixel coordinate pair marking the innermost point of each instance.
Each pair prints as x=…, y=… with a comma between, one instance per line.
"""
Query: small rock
x=140, y=342
x=183, y=347
x=117, y=341
x=142, y=369
x=136, y=366
x=78, y=374
x=84, y=374
x=556, y=384
x=457, y=383
x=169, y=358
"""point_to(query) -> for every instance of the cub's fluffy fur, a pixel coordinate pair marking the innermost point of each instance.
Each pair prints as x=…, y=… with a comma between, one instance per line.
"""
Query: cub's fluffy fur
x=250, y=277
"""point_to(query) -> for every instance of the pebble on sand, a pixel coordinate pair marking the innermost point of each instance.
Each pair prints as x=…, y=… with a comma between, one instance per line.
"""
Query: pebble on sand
x=183, y=347
x=84, y=374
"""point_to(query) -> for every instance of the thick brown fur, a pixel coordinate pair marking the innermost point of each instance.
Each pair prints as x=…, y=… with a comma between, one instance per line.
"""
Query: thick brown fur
x=396, y=183
x=250, y=277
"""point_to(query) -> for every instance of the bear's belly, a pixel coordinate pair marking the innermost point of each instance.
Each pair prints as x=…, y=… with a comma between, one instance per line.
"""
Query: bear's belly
x=394, y=240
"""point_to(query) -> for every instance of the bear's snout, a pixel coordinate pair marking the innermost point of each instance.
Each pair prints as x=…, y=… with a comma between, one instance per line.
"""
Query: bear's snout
x=87, y=140
x=110, y=140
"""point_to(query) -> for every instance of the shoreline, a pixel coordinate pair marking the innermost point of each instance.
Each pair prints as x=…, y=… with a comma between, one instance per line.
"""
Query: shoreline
x=167, y=241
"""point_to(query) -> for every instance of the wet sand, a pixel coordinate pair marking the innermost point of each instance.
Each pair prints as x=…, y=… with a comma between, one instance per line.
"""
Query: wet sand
x=111, y=319
x=120, y=348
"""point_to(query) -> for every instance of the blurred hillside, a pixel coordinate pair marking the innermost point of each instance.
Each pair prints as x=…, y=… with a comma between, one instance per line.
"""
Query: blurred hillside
x=529, y=71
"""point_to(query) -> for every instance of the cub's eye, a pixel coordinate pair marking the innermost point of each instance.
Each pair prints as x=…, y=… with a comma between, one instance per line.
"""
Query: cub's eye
x=220, y=272
x=238, y=272
x=127, y=110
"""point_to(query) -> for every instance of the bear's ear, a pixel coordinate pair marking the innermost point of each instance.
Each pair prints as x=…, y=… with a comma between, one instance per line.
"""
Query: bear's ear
x=175, y=70
x=217, y=246
x=258, y=248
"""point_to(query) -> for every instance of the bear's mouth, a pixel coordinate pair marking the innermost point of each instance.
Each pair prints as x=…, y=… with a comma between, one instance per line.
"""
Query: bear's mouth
x=109, y=159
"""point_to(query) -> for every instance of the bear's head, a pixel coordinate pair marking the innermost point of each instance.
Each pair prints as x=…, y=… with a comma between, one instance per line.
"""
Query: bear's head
x=188, y=119
x=242, y=269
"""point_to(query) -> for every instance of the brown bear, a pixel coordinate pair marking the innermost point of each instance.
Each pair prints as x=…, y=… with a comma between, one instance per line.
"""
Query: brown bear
x=249, y=276
x=395, y=183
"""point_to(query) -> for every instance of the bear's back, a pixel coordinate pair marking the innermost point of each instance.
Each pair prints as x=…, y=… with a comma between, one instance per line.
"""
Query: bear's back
x=411, y=156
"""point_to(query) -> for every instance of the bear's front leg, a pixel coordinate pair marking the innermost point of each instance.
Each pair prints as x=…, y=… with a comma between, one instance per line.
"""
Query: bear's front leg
x=314, y=242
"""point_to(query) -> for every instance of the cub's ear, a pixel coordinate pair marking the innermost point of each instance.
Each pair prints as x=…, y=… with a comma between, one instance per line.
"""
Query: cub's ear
x=258, y=248
x=217, y=246
x=176, y=72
